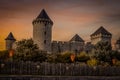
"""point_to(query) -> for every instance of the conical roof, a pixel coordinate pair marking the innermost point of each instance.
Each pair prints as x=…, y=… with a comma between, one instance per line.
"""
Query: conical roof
x=101, y=30
x=43, y=15
x=10, y=37
x=77, y=38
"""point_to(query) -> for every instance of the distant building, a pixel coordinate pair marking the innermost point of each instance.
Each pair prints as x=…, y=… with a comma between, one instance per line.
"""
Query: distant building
x=101, y=35
x=10, y=41
x=117, y=45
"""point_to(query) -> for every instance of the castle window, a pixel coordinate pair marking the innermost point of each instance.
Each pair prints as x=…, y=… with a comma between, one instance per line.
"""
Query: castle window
x=44, y=41
x=76, y=51
x=45, y=24
x=45, y=32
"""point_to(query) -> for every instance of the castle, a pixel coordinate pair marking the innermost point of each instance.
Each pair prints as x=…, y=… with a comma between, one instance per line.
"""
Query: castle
x=42, y=36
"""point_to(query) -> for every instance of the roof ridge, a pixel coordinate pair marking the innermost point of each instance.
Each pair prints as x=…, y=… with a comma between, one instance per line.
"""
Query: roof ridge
x=76, y=37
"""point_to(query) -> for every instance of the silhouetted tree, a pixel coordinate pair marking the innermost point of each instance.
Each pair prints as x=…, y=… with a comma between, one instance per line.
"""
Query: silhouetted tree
x=103, y=51
x=26, y=50
x=4, y=55
x=82, y=57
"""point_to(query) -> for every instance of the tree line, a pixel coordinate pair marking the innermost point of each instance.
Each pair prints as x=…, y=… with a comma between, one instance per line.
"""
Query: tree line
x=26, y=50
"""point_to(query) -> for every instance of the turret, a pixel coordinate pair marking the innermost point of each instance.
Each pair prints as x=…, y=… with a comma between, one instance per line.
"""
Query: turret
x=10, y=41
x=42, y=31
x=101, y=35
x=76, y=44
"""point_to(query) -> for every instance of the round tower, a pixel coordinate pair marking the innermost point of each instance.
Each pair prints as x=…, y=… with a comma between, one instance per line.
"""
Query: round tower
x=42, y=31
x=10, y=41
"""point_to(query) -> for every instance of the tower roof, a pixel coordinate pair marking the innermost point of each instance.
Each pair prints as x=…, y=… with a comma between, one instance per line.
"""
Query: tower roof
x=77, y=38
x=10, y=37
x=101, y=30
x=43, y=15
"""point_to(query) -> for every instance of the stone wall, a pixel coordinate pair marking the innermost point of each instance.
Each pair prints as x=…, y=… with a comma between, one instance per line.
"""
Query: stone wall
x=100, y=37
x=62, y=46
x=9, y=44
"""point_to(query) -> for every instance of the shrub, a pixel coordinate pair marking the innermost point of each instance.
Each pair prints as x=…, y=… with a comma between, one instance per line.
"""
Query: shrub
x=92, y=62
x=82, y=57
x=4, y=55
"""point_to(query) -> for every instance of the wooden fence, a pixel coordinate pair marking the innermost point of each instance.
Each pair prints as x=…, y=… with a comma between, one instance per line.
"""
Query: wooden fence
x=56, y=69
x=17, y=77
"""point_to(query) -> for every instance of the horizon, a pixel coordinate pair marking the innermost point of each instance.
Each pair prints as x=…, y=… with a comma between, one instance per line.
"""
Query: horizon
x=69, y=18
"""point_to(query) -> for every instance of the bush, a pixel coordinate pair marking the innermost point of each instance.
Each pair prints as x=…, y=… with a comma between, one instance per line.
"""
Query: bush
x=117, y=63
x=82, y=57
x=4, y=55
x=26, y=50
x=92, y=62
x=60, y=58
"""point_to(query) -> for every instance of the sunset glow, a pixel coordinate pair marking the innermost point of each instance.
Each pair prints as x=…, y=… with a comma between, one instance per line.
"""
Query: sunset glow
x=69, y=16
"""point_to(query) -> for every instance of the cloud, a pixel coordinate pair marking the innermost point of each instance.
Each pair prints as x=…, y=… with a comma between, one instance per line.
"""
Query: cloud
x=69, y=16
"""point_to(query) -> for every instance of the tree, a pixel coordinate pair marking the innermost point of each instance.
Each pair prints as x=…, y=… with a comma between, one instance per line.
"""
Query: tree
x=4, y=55
x=60, y=58
x=103, y=51
x=26, y=47
x=52, y=58
x=116, y=55
x=40, y=56
x=65, y=57
x=26, y=50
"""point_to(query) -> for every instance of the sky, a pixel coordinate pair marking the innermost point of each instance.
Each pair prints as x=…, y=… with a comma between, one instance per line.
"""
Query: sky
x=70, y=17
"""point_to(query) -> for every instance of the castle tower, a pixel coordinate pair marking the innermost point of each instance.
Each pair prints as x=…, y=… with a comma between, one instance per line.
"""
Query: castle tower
x=101, y=35
x=117, y=45
x=42, y=31
x=10, y=41
x=76, y=44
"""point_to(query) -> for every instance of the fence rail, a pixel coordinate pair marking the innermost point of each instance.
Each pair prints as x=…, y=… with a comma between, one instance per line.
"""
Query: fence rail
x=56, y=69
x=31, y=77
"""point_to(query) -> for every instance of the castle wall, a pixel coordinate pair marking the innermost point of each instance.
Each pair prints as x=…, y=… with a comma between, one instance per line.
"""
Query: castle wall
x=54, y=47
x=66, y=46
x=88, y=47
x=117, y=46
x=61, y=46
x=76, y=47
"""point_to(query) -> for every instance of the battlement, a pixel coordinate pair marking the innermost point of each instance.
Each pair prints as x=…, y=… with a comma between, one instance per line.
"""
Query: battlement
x=60, y=42
x=45, y=21
x=63, y=46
